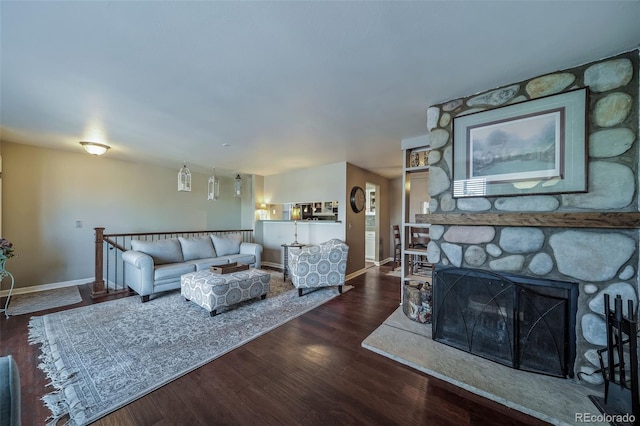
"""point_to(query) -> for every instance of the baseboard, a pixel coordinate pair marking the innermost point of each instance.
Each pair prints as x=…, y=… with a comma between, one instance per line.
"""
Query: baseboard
x=384, y=262
x=43, y=287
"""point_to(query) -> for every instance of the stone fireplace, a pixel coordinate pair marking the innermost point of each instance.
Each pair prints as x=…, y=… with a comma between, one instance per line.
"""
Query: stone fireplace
x=563, y=237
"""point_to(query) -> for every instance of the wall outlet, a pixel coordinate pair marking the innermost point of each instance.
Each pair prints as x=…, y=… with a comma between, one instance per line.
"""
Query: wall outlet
x=78, y=224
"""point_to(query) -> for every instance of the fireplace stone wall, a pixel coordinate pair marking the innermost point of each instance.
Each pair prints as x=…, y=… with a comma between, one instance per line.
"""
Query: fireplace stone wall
x=601, y=260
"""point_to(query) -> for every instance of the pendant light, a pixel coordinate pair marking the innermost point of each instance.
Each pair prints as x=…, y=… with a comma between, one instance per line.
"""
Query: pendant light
x=213, y=187
x=184, y=179
x=237, y=187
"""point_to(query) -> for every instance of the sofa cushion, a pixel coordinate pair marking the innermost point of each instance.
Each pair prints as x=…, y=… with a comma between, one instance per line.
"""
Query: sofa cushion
x=197, y=248
x=162, y=251
x=172, y=270
x=227, y=244
x=249, y=259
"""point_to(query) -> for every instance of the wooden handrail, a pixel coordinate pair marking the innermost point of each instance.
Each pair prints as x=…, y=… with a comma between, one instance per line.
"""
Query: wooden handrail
x=98, y=286
x=137, y=234
x=114, y=243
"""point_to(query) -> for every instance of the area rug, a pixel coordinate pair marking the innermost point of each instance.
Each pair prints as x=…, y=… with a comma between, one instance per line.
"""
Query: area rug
x=104, y=356
x=554, y=400
x=42, y=300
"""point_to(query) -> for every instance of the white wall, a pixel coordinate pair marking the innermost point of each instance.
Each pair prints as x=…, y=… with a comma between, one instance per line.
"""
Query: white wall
x=46, y=191
x=323, y=183
x=276, y=233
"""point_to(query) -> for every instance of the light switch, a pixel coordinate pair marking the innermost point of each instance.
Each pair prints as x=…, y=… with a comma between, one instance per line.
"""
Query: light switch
x=78, y=224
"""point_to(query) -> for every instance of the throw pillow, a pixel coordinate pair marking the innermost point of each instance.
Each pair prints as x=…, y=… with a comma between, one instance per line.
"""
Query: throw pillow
x=227, y=244
x=162, y=251
x=197, y=248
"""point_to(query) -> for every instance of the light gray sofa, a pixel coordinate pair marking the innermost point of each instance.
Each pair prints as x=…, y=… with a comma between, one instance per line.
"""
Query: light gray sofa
x=156, y=266
x=9, y=392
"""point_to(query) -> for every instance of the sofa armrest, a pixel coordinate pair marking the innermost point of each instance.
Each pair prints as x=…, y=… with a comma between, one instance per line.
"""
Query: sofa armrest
x=10, y=405
x=254, y=249
x=139, y=271
x=138, y=259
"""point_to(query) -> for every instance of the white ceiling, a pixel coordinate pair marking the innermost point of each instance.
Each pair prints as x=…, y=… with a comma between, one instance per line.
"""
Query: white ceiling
x=287, y=85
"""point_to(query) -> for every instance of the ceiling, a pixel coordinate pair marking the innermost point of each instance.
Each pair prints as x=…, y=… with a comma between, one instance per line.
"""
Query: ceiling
x=286, y=85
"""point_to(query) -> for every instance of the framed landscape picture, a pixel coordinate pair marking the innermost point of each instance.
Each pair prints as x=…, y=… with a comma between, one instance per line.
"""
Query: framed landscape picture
x=533, y=147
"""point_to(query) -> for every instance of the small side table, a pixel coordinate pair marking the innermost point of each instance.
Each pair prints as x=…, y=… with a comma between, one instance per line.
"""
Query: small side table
x=285, y=248
x=5, y=273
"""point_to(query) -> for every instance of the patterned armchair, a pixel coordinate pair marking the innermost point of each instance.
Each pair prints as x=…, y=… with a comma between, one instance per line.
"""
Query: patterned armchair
x=323, y=265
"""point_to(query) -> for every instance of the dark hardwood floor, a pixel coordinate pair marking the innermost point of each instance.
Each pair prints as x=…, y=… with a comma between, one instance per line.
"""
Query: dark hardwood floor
x=310, y=371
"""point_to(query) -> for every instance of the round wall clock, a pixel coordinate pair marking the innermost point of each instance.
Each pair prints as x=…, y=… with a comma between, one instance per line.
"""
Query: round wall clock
x=357, y=199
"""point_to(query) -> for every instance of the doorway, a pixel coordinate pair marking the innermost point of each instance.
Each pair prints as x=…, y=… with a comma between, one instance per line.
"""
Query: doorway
x=372, y=213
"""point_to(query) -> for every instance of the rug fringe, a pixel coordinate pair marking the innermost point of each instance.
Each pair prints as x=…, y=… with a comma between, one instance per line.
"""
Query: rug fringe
x=63, y=401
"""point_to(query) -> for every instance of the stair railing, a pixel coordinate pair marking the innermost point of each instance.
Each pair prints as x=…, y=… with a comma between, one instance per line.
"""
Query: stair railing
x=109, y=274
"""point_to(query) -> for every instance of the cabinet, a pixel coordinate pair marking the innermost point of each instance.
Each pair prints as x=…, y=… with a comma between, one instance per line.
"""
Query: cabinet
x=414, y=236
x=370, y=245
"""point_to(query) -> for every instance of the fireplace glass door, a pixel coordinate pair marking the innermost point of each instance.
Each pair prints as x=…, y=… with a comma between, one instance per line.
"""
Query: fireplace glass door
x=522, y=322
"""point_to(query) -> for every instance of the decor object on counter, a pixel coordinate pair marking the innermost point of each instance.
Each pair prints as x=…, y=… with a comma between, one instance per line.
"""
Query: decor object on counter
x=156, y=266
x=533, y=147
x=317, y=266
x=357, y=199
x=184, y=179
x=213, y=187
x=94, y=148
x=263, y=214
x=178, y=338
x=237, y=186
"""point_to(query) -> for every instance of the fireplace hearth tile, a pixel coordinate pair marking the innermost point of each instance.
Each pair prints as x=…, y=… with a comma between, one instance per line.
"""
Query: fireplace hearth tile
x=551, y=399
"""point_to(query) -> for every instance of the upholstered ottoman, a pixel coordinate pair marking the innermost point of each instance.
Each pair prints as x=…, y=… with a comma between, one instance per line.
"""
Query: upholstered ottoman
x=213, y=291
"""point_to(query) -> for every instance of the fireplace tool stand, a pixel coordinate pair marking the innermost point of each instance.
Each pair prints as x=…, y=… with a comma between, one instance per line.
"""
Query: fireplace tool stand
x=619, y=366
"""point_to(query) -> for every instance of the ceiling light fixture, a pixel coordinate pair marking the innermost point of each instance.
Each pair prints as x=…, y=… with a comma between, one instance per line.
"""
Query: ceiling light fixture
x=237, y=187
x=213, y=187
x=184, y=179
x=94, y=148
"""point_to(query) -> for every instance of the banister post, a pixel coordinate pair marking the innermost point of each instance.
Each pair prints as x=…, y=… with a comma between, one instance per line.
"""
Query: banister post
x=98, y=282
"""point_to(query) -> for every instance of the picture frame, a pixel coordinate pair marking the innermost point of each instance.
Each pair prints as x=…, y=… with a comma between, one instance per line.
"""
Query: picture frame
x=533, y=147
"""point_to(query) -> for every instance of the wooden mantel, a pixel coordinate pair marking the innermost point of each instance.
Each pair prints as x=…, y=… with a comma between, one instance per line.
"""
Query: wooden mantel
x=620, y=220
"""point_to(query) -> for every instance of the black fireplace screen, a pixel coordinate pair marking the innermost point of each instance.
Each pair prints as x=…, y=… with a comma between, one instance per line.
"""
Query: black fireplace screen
x=523, y=322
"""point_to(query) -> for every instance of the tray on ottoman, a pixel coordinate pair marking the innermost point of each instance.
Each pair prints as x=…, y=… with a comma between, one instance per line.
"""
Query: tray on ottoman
x=229, y=267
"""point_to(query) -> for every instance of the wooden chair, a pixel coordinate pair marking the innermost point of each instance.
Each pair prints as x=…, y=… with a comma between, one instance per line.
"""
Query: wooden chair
x=397, y=247
x=419, y=240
